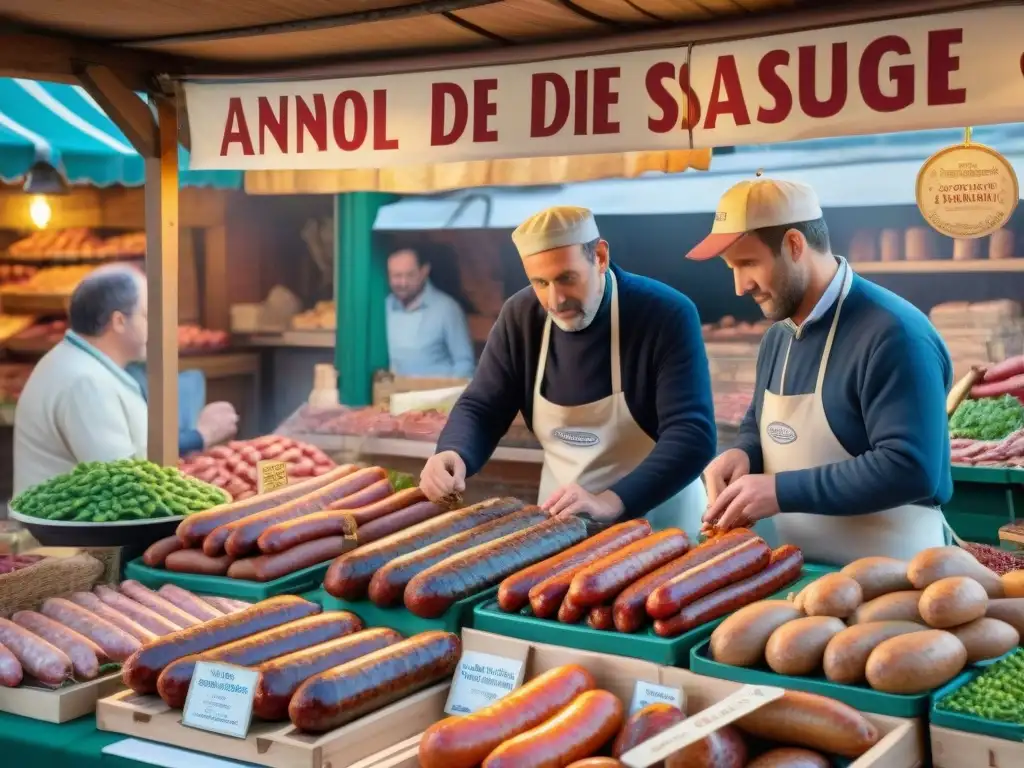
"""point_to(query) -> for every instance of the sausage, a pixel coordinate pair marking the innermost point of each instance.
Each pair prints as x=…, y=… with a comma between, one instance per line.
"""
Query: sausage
x=349, y=575
x=601, y=581
x=141, y=671
x=570, y=613
x=433, y=591
x=116, y=644
x=333, y=522
x=83, y=653
x=225, y=605
x=646, y=724
x=44, y=661
x=159, y=604
x=597, y=762
x=281, y=676
x=194, y=528
x=736, y=564
x=398, y=521
x=174, y=680
x=545, y=584
x=812, y=721
x=349, y=691
x=464, y=741
x=195, y=561
x=577, y=731
x=158, y=551
x=93, y=604
x=723, y=748
x=137, y=612
x=245, y=532
x=790, y=757
x=188, y=602
x=388, y=584
x=10, y=669
x=784, y=568
x=269, y=567
x=630, y=607
x=600, y=618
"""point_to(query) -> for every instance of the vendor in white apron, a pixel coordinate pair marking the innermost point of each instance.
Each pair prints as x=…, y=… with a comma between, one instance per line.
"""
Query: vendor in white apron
x=791, y=466
x=637, y=448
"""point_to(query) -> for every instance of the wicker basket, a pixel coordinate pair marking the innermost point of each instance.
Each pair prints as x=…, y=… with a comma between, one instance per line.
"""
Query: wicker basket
x=26, y=588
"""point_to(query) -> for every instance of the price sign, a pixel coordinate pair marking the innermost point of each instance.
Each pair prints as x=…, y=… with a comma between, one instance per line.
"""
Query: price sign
x=645, y=694
x=271, y=475
x=220, y=699
x=481, y=679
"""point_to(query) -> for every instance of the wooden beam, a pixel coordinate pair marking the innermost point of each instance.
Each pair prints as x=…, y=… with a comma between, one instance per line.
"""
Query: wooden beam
x=130, y=113
x=162, y=271
x=216, y=305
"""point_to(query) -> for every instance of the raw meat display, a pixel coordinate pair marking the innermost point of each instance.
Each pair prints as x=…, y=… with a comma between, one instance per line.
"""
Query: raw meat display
x=195, y=339
x=76, y=244
x=731, y=407
x=15, y=273
x=52, y=280
x=731, y=329
x=1008, y=452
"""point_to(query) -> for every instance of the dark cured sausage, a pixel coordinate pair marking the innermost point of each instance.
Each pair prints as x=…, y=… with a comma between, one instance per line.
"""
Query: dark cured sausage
x=578, y=731
x=349, y=575
x=785, y=566
x=388, y=584
x=245, y=532
x=646, y=724
x=432, y=592
x=174, y=681
x=280, y=677
x=319, y=525
x=570, y=613
x=84, y=653
x=629, y=607
x=93, y=604
x=601, y=581
x=142, y=594
x=194, y=528
x=600, y=618
x=116, y=644
x=724, y=569
x=349, y=691
x=44, y=661
x=10, y=669
x=137, y=612
x=269, y=567
x=398, y=521
x=464, y=741
x=188, y=602
x=158, y=551
x=547, y=583
x=141, y=671
x=790, y=757
x=195, y=561
x=597, y=762
x=723, y=748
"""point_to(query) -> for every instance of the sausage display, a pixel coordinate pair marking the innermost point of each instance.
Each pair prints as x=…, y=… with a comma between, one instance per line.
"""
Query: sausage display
x=141, y=671
x=174, y=680
x=630, y=607
x=578, y=731
x=158, y=551
x=464, y=741
x=398, y=521
x=433, y=591
x=189, y=603
x=600, y=617
x=396, y=501
x=280, y=677
x=784, y=568
x=349, y=576
x=646, y=724
x=570, y=613
x=225, y=605
x=159, y=604
x=724, y=748
x=545, y=584
x=116, y=644
x=363, y=685
x=11, y=672
x=269, y=567
x=601, y=581
x=83, y=653
x=93, y=604
x=137, y=612
x=389, y=582
x=196, y=561
x=45, y=662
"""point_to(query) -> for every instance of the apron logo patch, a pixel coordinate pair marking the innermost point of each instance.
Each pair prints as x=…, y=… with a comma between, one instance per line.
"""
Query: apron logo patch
x=578, y=439
x=783, y=434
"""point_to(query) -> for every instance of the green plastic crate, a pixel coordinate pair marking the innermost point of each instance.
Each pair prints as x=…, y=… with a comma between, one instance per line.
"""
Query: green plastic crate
x=984, y=500
x=457, y=617
x=958, y=721
x=669, y=651
x=221, y=586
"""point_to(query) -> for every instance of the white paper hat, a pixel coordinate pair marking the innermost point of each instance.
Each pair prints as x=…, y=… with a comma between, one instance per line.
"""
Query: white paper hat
x=555, y=227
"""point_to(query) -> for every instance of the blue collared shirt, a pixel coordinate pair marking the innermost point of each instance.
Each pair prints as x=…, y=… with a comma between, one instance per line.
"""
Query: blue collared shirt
x=839, y=286
x=429, y=337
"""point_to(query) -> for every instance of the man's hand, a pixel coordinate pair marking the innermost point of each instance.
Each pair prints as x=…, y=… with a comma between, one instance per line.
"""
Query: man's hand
x=743, y=503
x=725, y=470
x=442, y=475
x=218, y=423
x=572, y=499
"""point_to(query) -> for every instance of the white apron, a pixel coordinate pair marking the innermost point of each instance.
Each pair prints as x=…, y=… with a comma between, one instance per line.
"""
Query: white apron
x=795, y=435
x=599, y=443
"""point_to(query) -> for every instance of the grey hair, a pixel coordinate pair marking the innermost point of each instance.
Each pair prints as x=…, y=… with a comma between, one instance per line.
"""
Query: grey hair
x=590, y=250
x=96, y=299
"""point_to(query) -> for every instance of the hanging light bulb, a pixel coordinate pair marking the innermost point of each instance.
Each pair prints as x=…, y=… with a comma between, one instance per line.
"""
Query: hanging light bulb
x=39, y=210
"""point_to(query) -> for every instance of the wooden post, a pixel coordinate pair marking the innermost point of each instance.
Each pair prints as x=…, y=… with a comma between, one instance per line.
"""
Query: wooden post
x=162, y=271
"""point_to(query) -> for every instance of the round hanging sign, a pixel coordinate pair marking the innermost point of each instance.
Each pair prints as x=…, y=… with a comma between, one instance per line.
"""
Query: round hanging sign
x=967, y=191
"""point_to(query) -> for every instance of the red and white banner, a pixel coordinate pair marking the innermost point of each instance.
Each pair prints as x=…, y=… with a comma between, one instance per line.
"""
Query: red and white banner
x=945, y=70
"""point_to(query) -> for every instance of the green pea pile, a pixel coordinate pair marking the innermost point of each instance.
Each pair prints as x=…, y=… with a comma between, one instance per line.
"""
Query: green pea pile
x=107, y=492
x=995, y=694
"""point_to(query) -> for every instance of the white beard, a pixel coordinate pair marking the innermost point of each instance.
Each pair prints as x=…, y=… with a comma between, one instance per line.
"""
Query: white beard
x=583, y=320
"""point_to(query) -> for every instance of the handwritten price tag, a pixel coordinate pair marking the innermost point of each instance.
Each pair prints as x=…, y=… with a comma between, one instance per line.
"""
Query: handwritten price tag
x=271, y=475
x=645, y=694
x=481, y=679
x=220, y=699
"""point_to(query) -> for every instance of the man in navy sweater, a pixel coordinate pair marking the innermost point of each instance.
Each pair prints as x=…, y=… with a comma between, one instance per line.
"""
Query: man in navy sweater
x=846, y=444
x=610, y=372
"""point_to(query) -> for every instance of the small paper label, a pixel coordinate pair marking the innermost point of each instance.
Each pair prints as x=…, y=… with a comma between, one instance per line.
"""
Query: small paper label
x=271, y=475
x=220, y=699
x=481, y=679
x=645, y=694
x=743, y=702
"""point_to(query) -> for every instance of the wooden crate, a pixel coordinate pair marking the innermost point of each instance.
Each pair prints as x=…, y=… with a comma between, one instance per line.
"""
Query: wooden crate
x=62, y=704
x=959, y=749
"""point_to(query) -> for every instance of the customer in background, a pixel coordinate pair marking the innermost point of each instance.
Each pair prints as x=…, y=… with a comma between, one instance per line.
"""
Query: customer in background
x=427, y=330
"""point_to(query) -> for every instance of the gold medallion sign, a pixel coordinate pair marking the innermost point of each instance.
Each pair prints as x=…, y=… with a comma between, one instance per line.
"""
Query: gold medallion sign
x=967, y=190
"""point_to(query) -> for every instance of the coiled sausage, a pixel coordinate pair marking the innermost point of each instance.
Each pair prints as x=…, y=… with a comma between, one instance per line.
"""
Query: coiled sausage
x=84, y=654
x=116, y=644
x=44, y=661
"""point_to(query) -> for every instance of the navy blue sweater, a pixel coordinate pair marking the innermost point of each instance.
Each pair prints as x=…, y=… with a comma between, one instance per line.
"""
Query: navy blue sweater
x=885, y=400
x=664, y=376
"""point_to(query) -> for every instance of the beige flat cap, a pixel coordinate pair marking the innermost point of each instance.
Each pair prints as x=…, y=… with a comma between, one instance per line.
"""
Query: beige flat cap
x=555, y=227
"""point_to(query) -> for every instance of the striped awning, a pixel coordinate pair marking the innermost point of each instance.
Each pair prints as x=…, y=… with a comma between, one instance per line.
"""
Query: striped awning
x=63, y=126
